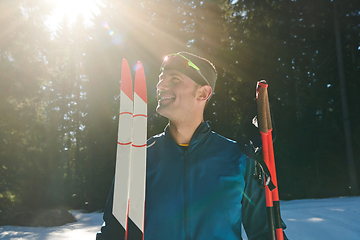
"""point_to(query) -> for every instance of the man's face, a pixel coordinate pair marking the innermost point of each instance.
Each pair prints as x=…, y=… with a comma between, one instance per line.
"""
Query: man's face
x=176, y=95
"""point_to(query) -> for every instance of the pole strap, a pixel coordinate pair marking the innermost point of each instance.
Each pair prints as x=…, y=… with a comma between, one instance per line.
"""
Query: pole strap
x=261, y=170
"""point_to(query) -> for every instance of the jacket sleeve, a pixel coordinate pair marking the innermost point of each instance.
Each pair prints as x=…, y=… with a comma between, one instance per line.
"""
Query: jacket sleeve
x=254, y=210
x=111, y=228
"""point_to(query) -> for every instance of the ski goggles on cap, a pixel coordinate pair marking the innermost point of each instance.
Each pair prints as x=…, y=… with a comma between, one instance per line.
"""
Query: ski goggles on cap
x=176, y=61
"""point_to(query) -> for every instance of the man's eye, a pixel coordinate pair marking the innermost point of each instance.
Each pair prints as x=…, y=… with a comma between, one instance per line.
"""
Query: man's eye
x=175, y=79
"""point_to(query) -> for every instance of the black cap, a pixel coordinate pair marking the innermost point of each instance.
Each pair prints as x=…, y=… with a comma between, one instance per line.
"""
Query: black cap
x=199, y=69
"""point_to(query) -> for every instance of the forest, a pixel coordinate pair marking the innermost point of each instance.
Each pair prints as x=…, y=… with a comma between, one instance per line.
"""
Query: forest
x=59, y=89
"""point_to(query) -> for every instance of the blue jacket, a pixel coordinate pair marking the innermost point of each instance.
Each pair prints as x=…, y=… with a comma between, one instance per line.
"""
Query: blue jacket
x=202, y=191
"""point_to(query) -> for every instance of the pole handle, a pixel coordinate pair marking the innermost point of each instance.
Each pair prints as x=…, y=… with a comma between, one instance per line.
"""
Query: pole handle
x=261, y=106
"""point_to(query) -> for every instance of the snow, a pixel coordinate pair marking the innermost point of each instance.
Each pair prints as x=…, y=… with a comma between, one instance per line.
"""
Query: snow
x=332, y=218
x=85, y=228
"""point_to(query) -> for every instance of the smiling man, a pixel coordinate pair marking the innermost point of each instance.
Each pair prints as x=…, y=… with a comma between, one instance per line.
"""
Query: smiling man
x=181, y=99
x=198, y=183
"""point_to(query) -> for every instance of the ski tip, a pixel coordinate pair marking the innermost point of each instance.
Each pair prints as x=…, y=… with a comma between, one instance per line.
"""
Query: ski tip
x=140, y=82
x=138, y=65
x=126, y=82
x=124, y=64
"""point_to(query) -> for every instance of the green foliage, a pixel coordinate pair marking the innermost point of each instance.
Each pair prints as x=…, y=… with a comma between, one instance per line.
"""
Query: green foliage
x=21, y=131
x=59, y=97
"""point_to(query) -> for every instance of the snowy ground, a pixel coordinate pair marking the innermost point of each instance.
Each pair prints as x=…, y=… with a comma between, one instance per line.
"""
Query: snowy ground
x=85, y=228
x=334, y=218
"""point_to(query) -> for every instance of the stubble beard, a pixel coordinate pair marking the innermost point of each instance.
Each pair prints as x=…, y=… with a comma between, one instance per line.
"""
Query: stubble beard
x=174, y=112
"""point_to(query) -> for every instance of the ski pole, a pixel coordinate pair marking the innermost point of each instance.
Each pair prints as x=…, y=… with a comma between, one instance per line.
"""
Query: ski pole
x=275, y=192
x=263, y=128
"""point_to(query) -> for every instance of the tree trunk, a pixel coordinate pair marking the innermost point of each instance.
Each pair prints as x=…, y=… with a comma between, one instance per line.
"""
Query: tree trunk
x=349, y=151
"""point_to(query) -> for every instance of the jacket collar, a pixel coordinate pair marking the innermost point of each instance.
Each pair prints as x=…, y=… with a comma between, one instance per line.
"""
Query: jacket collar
x=200, y=133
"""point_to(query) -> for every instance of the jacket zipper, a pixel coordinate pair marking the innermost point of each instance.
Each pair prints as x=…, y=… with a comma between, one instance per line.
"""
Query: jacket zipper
x=186, y=215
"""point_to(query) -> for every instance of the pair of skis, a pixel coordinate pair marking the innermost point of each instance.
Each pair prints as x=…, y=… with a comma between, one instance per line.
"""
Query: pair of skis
x=265, y=128
x=130, y=171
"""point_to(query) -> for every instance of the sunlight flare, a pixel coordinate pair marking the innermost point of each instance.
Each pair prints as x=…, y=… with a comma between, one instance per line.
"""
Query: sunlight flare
x=71, y=9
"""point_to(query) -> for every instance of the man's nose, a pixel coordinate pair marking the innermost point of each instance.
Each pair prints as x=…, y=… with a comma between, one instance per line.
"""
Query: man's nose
x=163, y=84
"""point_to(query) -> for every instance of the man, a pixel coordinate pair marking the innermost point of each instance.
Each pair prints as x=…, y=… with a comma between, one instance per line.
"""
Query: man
x=199, y=183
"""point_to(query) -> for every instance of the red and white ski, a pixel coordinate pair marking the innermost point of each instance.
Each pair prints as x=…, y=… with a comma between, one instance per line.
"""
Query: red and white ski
x=130, y=172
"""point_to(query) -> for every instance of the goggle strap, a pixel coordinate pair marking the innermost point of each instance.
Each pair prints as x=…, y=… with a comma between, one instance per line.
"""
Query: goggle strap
x=190, y=63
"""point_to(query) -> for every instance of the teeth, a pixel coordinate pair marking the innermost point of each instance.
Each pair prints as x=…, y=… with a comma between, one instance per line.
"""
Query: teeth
x=165, y=98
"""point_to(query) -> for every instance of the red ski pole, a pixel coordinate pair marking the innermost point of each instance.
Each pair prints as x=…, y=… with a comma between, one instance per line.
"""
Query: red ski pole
x=263, y=128
x=275, y=192
x=271, y=163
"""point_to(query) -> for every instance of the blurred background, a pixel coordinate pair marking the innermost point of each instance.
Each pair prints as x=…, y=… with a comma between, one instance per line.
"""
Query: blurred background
x=60, y=65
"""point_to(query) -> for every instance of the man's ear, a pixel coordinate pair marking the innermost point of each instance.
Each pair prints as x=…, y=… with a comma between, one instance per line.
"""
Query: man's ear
x=205, y=92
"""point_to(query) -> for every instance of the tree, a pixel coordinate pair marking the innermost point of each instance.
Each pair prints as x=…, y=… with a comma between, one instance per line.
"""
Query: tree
x=23, y=70
x=349, y=150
